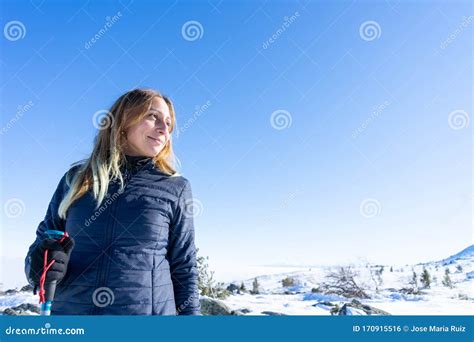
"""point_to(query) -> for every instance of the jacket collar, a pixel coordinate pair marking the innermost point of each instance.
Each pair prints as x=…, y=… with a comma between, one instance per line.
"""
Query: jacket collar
x=135, y=163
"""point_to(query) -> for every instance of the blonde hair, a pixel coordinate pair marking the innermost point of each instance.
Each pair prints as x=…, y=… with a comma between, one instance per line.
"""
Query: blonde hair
x=107, y=156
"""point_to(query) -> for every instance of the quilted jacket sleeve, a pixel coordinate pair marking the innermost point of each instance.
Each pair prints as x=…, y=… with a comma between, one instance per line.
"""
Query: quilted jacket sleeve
x=51, y=221
x=182, y=256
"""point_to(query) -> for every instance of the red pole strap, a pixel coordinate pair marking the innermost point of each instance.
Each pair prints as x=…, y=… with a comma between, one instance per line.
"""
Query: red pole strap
x=46, y=267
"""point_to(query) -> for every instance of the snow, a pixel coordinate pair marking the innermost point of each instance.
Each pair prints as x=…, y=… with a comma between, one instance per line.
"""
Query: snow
x=436, y=300
x=12, y=300
x=354, y=312
x=301, y=299
x=287, y=304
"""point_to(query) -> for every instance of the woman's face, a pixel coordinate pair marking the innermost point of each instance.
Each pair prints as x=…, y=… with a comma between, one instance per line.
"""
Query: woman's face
x=148, y=137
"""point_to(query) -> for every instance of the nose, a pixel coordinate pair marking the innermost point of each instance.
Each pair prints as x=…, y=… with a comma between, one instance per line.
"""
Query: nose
x=160, y=126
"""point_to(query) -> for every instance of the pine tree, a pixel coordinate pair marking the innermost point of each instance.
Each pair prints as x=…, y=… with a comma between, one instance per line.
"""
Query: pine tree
x=287, y=282
x=255, y=287
x=414, y=282
x=206, y=276
x=447, y=279
x=242, y=287
x=206, y=282
x=425, y=278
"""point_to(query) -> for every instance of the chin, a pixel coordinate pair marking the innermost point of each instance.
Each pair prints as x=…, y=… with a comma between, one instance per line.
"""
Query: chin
x=155, y=153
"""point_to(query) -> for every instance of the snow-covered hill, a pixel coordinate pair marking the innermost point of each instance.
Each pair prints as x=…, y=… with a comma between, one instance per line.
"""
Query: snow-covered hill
x=390, y=288
x=462, y=258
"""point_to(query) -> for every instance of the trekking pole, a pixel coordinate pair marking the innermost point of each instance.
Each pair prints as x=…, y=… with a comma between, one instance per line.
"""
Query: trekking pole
x=47, y=290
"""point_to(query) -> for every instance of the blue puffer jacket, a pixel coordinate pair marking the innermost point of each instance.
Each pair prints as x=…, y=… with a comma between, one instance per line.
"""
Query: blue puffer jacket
x=135, y=254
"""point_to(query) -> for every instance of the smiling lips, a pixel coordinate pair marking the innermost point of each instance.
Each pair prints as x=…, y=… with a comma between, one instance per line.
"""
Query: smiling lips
x=155, y=140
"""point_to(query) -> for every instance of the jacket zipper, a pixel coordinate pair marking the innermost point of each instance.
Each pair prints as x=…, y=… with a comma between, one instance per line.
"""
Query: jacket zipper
x=105, y=263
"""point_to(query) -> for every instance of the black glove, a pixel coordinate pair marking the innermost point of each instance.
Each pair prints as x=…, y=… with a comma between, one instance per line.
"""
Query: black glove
x=60, y=252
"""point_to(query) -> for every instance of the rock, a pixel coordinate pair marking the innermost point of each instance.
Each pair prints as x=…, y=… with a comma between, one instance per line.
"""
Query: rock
x=408, y=290
x=324, y=303
x=245, y=310
x=10, y=312
x=347, y=309
x=232, y=288
x=237, y=313
x=411, y=291
x=22, y=309
x=11, y=291
x=27, y=288
x=272, y=313
x=214, y=307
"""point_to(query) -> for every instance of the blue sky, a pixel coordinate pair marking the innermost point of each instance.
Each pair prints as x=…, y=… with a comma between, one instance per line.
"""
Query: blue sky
x=371, y=103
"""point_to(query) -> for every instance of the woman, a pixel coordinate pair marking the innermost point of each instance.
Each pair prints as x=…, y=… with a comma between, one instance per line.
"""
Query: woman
x=130, y=246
